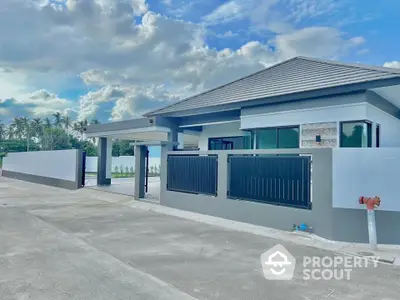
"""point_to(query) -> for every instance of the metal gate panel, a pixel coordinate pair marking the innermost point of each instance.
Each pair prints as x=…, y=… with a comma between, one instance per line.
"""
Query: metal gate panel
x=279, y=180
x=192, y=174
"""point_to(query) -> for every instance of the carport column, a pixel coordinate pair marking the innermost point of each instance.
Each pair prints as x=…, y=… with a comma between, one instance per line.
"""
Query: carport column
x=373, y=134
x=180, y=140
x=140, y=171
x=104, y=161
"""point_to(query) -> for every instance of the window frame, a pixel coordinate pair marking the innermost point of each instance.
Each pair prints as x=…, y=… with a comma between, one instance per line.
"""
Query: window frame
x=221, y=138
x=377, y=135
x=277, y=128
x=369, y=132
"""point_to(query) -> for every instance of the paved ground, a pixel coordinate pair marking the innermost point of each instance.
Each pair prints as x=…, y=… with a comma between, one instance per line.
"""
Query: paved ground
x=126, y=186
x=87, y=244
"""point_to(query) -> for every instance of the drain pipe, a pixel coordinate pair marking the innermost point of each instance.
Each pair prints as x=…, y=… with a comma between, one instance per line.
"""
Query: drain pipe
x=371, y=204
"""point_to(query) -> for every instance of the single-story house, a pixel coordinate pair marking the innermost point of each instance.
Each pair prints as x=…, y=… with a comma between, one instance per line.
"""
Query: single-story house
x=294, y=143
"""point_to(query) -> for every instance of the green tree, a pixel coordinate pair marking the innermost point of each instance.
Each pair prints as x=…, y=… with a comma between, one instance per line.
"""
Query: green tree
x=2, y=131
x=10, y=132
x=122, y=148
x=79, y=127
x=66, y=121
x=17, y=127
x=55, y=139
x=37, y=128
x=16, y=146
x=26, y=131
x=57, y=119
x=90, y=148
x=47, y=123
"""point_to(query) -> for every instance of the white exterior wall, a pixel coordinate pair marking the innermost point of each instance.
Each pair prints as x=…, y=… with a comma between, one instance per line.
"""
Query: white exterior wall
x=109, y=158
x=389, y=126
x=60, y=164
x=366, y=172
x=324, y=120
x=125, y=161
x=348, y=112
x=219, y=130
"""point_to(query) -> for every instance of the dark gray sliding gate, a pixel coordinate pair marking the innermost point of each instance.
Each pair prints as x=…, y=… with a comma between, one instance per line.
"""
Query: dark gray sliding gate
x=279, y=180
x=192, y=174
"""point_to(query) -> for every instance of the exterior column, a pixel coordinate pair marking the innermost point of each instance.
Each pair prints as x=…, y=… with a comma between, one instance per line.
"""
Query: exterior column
x=109, y=159
x=172, y=139
x=180, y=140
x=104, y=161
x=140, y=171
x=373, y=135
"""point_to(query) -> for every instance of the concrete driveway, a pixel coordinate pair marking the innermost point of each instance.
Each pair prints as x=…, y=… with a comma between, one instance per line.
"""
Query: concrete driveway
x=126, y=186
x=87, y=244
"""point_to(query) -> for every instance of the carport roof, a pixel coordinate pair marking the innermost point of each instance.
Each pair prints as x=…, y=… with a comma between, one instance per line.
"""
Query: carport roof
x=294, y=76
x=143, y=129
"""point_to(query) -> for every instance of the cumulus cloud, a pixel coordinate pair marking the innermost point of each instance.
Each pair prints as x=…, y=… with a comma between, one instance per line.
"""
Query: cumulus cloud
x=316, y=42
x=228, y=12
x=392, y=64
x=136, y=60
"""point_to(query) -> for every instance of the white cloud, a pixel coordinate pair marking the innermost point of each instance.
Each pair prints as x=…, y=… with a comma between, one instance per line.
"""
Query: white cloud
x=315, y=42
x=228, y=12
x=279, y=16
x=167, y=2
x=137, y=66
x=392, y=64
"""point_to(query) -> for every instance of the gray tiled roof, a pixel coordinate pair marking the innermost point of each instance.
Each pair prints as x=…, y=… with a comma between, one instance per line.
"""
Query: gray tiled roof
x=298, y=74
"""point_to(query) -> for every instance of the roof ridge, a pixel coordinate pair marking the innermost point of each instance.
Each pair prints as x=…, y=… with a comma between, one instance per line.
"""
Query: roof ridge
x=353, y=65
x=220, y=86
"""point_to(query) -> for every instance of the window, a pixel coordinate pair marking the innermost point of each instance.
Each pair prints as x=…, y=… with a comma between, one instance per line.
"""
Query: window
x=288, y=137
x=266, y=139
x=355, y=134
x=273, y=138
x=230, y=143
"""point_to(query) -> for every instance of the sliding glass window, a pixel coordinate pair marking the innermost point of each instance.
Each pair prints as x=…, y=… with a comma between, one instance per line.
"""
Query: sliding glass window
x=357, y=134
x=288, y=138
x=266, y=138
x=274, y=138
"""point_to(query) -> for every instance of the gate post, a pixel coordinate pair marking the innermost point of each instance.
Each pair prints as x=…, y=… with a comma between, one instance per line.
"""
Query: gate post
x=104, y=161
x=140, y=171
x=222, y=187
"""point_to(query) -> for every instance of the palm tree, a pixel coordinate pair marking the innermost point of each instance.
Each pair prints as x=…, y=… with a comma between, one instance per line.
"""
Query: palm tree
x=10, y=131
x=79, y=127
x=26, y=131
x=2, y=131
x=47, y=123
x=67, y=123
x=17, y=127
x=57, y=119
x=36, y=127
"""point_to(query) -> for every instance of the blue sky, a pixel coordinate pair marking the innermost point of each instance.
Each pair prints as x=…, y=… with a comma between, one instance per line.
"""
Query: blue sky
x=116, y=59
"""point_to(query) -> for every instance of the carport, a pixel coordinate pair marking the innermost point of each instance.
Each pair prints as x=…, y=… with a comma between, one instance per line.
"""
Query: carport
x=143, y=132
